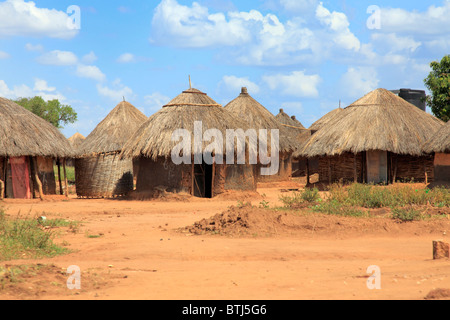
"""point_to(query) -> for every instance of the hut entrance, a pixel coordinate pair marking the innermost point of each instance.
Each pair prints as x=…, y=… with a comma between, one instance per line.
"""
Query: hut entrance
x=377, y=166
x=203, y=180
x=20, y=178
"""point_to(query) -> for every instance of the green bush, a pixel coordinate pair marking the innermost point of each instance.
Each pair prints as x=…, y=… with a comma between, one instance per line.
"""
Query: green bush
x=406, y=214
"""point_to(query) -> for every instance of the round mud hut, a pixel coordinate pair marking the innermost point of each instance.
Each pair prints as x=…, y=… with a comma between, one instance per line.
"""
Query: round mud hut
x=257, y=117
x=439, y=144
x=288, y=121
x=76, y=140
x=192, y=114
x=99, y=170
x=377, y=139
x=28, y=148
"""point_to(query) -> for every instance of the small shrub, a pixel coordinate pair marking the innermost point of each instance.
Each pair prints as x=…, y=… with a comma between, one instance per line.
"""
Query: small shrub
x=406, y=214
x=310, y=195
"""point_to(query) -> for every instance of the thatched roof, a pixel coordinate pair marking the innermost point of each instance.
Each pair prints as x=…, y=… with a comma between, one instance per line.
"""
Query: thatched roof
x=111, y=134
x=440, y=141
x=25, y=134
x=154, y=138
x=325, y=119
x=378, y=121
x=258, y=117
x=76, y=140
x=284, y=118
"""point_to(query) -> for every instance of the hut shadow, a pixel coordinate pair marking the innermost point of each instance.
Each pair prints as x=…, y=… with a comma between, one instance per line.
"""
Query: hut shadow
x=439, y=184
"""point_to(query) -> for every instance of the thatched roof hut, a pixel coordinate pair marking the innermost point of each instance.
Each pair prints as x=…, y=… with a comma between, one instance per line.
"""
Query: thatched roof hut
x=325, y=119
x=258, y=117
x=99, y=170
x=27, y=149
x=440, y=141
x=380, y=123
x=285, y=119
x=154, y=138
x=26, y=134
x=76, y=140
x=152, y=144
x=439, y=144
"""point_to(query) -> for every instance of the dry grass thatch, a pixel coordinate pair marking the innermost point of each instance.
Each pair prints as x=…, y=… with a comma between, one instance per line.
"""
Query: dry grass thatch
x=325, y=119
x=76, y=140
x=379, y=121
x=26, y=134
x=111, y=134
x=154, y=138
x=440, y=142
x=258, y=117
x=284, y=119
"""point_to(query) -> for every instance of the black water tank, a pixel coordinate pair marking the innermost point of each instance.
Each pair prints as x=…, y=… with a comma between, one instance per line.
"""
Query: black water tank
x=414, y=96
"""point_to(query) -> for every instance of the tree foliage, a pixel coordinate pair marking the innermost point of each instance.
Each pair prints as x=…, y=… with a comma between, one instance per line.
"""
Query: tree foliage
x=52, y=111
x=438, y=82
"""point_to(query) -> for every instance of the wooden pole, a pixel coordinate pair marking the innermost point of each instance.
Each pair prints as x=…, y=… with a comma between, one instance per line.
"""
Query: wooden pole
x=329, y=170
x=66, y=184
x=58, y=162
x=36, y=178
x=355, y=175
x=426, y=174
x=307, y=172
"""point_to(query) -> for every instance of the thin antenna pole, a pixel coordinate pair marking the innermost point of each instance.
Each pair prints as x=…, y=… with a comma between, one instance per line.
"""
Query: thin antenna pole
x=123, y=98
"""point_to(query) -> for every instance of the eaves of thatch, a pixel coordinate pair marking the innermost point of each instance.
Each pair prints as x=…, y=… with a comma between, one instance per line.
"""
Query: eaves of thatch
x=440, y=141
x=154, y=138
x=378, y=121
x=112, y=132
x=25, y=134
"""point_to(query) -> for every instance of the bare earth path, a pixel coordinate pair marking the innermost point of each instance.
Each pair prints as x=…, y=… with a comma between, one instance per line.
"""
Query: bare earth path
x=139, y=255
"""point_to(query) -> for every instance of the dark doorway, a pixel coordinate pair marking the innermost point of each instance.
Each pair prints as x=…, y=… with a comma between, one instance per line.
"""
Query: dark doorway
x=203, y=177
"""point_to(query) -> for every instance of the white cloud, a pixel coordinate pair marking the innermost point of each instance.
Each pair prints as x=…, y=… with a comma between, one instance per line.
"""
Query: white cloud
x=32, y=47
x=58, y=58
x=433, y=21
x=173, y=23
x=156, y=101
x=4, y=55
x=117, y=93
x=393, y=43
x=338, y=23
x=90, y=72
x=20, y=18
x=357, y=82
x=42, y=85
x=234, y=84
x=40, y=88
x=296, y=84
x=89, y=58
x=126, y=58
x=252, y=38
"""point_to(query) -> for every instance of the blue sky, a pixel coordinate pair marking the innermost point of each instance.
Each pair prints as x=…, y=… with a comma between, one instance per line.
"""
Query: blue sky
x=300, y=55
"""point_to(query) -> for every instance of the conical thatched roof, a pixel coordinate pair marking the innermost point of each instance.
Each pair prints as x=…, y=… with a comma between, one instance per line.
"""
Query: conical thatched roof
x=284, y=118
x=440, y=142
x=25, y=134
x=111, y=134
x=325, y=119
x=379, y=121
x=76, y=140
x=258, y=117
x=154, y=138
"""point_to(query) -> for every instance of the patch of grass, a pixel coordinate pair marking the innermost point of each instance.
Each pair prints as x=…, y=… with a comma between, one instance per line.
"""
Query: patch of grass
x=26, y=238
x=297, y=199
x=70, y=171
x=334, y=207
x=406, y=214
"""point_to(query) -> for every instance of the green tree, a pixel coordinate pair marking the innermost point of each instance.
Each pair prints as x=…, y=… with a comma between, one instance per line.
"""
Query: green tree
x=438, y=82
x=52, y=111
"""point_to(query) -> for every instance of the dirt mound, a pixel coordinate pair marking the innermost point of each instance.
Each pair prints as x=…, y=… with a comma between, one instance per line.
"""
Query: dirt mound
x=438, y=294
x=158, y=194
x=239, y=196
x=252, y=221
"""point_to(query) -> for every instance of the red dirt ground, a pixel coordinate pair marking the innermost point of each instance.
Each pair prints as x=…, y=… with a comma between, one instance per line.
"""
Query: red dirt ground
x=143, y=250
